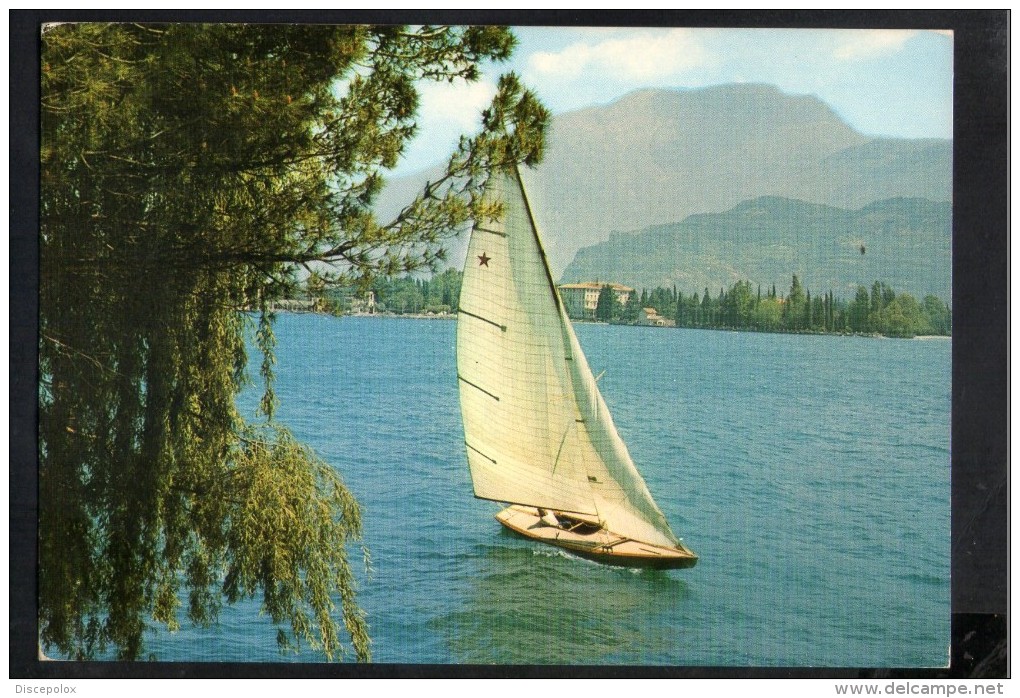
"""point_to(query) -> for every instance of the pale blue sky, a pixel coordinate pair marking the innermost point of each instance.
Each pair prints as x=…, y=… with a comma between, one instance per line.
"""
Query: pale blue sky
x=882, y=82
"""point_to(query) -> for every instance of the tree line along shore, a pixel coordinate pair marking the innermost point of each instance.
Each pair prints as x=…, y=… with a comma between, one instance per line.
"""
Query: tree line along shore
x=874, y=310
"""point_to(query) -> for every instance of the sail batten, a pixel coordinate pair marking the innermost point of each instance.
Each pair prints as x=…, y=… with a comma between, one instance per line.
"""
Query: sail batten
x=491, y=460
x=548, y=440
x=480, y=388
x=502, y=328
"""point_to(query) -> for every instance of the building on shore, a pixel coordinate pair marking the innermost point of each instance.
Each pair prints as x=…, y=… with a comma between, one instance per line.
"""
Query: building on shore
x=651, y=318
x=582, y=299
x=298, y=305
x=356, y=302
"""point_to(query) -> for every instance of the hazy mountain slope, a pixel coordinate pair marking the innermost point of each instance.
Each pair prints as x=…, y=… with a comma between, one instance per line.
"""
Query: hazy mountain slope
x=907, y=244
x=658, y=156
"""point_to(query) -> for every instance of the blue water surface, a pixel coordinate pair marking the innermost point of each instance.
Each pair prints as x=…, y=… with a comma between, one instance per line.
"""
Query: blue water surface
x=810, y=473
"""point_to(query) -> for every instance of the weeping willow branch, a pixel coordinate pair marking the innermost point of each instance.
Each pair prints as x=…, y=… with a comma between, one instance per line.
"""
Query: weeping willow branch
x=186, y=171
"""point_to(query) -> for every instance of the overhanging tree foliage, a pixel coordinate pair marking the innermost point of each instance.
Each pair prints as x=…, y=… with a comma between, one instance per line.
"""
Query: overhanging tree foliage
x=187, y=172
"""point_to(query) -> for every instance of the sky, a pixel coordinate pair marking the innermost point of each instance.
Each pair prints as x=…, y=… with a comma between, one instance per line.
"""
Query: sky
x=896, y=83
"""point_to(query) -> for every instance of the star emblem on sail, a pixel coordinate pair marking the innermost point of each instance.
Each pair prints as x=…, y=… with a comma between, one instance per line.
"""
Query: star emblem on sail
x=484, y=259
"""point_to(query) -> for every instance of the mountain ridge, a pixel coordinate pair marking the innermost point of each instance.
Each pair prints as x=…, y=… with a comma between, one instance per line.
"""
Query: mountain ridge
x=904, y=242
x=656, y=156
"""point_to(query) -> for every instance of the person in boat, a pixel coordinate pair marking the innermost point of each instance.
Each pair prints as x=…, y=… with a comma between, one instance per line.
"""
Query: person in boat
x=548, y=518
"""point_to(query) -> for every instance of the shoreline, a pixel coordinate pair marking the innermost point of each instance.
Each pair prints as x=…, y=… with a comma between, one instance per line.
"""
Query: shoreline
x=453, y=316
x=400, y=316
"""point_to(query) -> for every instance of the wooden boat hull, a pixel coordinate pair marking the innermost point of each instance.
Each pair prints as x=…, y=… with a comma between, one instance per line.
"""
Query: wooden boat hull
x=583, y=537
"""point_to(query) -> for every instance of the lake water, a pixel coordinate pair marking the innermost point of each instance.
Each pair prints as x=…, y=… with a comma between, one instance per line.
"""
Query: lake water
x=810, y=473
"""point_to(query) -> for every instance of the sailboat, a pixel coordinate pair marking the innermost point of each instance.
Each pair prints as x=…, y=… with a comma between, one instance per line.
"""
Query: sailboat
x=538, y=434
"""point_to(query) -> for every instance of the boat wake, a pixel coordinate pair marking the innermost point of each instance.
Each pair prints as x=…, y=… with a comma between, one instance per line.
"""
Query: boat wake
x=551, y=552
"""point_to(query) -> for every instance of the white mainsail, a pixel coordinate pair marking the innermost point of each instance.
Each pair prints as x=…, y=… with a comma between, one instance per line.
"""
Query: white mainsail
x=536, y=427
